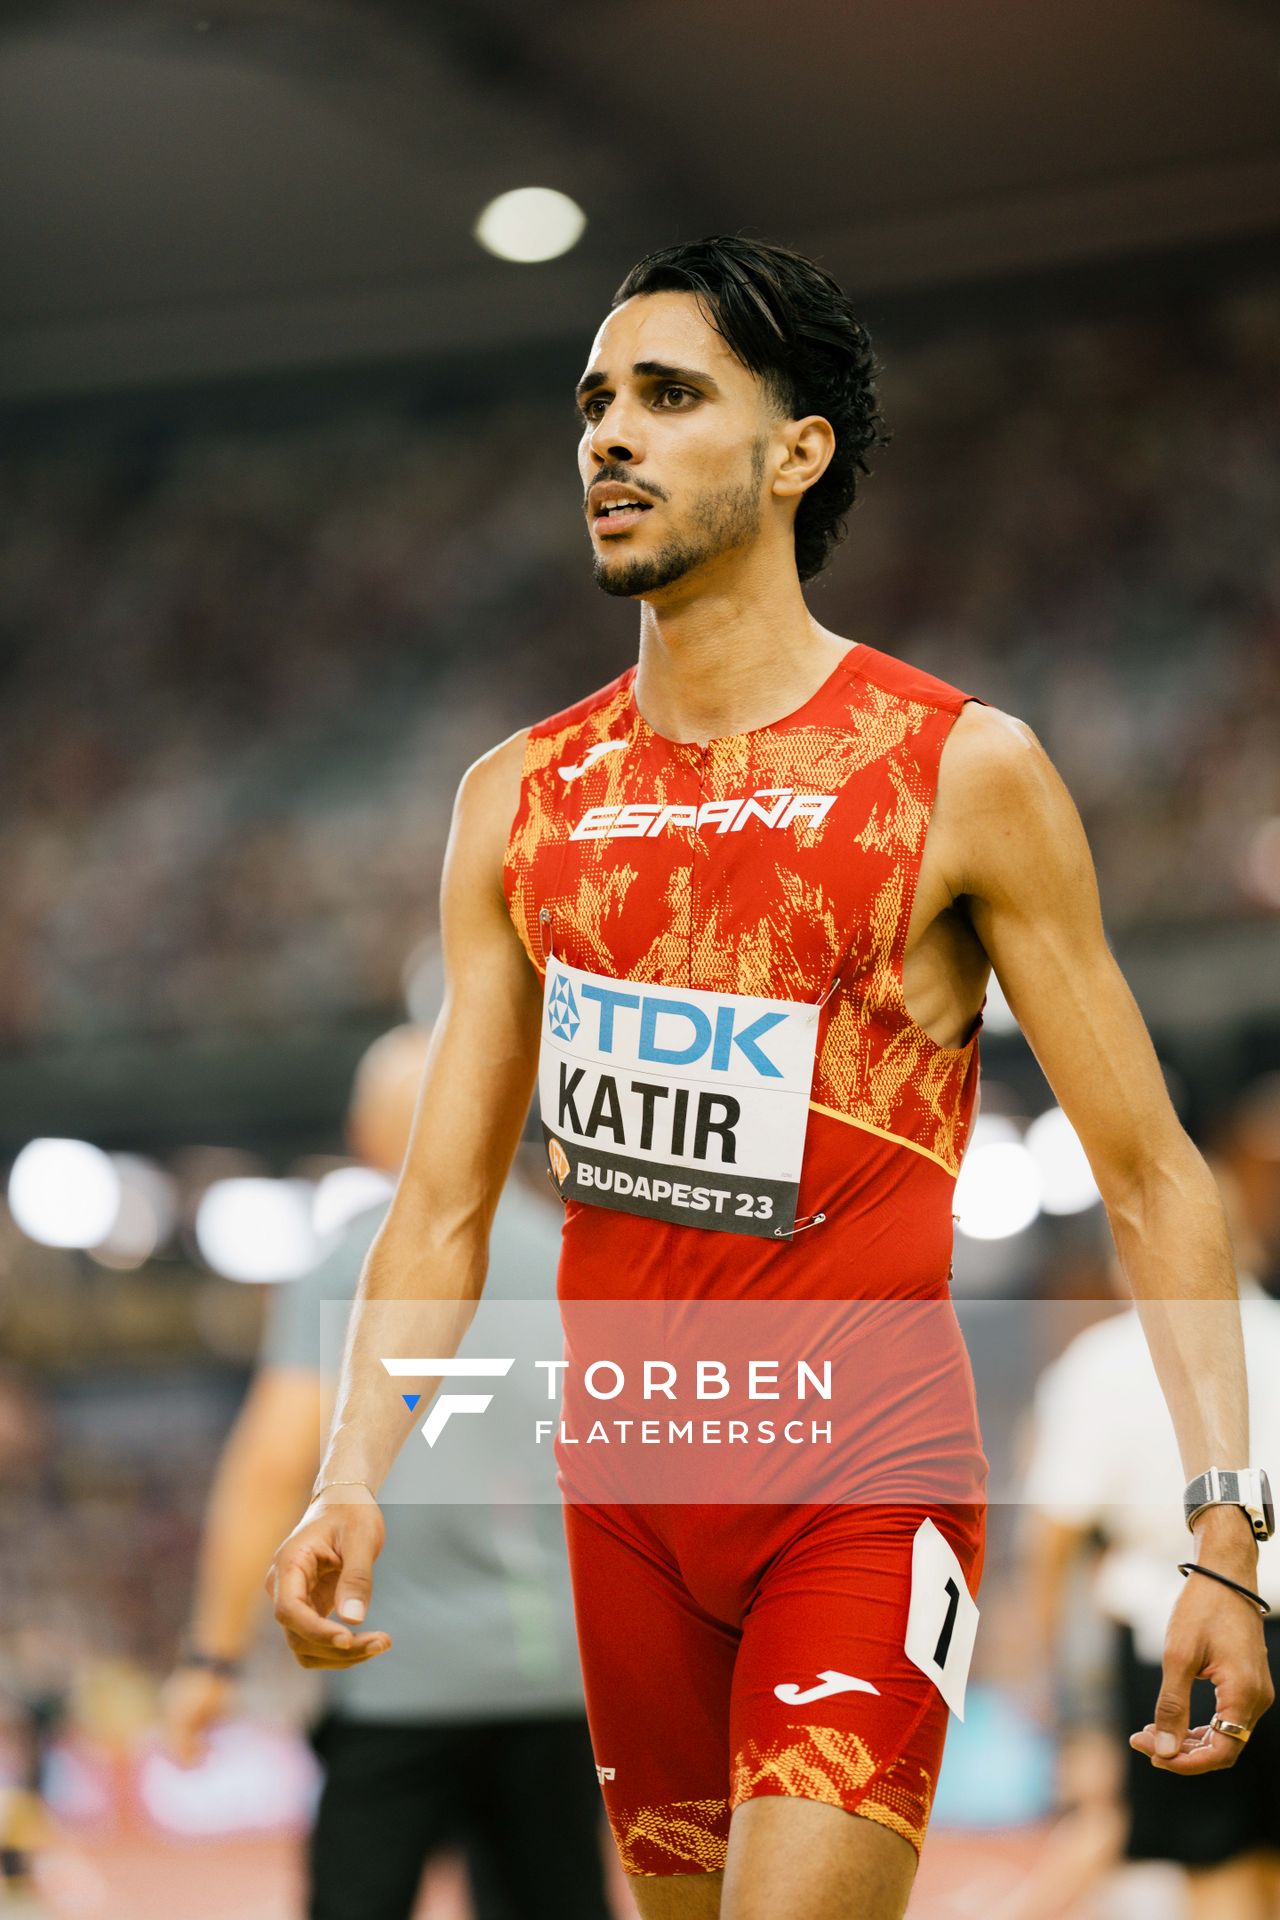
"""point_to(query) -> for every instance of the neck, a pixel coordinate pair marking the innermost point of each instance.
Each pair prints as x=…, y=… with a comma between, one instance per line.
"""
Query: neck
x=728, y=654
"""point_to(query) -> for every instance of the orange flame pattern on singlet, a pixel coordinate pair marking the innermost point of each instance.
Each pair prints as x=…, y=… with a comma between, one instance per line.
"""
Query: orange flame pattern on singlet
x=778, y=911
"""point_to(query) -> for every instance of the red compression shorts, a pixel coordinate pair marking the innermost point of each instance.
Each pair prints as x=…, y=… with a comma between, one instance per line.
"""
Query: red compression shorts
x=691, y=1618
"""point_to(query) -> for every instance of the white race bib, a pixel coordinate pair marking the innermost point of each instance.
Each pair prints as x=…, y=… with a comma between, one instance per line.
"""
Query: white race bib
x=942, y=1620
x=674, y=1103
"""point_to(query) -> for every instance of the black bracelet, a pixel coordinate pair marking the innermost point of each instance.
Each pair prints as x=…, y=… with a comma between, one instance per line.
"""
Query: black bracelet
x=216, y=1663
x=1193, y=1566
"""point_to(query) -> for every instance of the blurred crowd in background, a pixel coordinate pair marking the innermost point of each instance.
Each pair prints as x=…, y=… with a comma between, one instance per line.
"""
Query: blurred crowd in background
x=248, y=667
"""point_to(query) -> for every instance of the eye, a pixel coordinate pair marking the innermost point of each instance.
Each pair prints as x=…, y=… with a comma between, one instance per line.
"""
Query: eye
x=671, y=387
x=589, y=407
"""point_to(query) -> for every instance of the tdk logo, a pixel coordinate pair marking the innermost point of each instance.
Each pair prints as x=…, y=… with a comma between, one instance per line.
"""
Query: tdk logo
x=672, y=1032
x=562, y=1010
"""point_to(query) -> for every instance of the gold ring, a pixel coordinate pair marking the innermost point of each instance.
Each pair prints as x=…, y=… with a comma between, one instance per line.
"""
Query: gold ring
x=1230, y=1727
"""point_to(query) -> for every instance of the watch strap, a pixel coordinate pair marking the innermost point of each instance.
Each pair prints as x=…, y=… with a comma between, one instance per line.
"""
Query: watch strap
x=1227, y=1487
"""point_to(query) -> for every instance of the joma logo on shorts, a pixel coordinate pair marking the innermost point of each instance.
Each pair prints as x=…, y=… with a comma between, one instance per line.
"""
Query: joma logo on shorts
x=771, y=806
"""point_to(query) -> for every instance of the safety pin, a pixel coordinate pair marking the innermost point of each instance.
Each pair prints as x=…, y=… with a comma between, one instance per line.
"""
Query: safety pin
x=562, y=1197
x=799, y=1226
x=546, y=939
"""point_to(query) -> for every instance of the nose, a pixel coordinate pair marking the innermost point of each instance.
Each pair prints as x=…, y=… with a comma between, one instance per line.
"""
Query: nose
x=617, y=436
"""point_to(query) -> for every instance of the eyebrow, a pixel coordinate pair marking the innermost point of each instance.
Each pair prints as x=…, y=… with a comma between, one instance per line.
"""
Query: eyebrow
x=652, y=369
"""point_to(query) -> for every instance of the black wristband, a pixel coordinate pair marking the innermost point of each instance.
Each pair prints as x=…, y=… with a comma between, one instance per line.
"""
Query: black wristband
x=216, y=1663
x=1193, y=1566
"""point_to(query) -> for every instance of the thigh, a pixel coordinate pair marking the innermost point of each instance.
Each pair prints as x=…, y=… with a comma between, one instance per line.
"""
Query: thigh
x=658, y=1672
x=827, y=1704
x=387, y=1804
x=792, y=1859
x=536, y=1830
x=678, y=1896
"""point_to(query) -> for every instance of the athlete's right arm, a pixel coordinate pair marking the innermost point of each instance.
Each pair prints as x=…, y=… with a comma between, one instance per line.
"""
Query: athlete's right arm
x=425, y=1271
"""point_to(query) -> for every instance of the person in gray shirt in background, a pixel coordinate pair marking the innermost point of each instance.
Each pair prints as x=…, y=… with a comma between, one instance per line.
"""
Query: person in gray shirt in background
x=472, y=1732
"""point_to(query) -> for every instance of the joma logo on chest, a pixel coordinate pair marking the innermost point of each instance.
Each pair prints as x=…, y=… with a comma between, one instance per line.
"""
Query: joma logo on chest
x=773, y=807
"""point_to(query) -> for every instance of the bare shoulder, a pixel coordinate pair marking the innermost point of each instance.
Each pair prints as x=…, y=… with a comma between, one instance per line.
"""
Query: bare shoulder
x=489, y=793
x=1003, y=808
x=496, y=773
x=988, y=750
x=483, y=811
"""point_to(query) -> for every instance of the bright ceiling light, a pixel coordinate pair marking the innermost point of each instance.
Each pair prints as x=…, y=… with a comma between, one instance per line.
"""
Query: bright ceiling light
x=256, y=1229
x=530, y=223
x=1065, y=1173
x=64, y=1193
x=998, y=1192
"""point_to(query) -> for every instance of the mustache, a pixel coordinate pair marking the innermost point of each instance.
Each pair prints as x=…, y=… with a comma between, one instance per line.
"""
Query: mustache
x=623, y=479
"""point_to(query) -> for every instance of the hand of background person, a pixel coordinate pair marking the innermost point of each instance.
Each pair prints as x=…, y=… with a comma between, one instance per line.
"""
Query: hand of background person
x=191, y=1701
x=1216, y=1634
x=326, y=1564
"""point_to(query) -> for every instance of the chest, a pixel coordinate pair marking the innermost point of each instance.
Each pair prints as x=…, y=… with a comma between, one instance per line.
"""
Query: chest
x=761, y=864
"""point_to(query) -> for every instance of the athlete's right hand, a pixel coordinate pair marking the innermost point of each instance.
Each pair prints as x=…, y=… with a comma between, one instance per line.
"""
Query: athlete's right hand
x=326, y=1564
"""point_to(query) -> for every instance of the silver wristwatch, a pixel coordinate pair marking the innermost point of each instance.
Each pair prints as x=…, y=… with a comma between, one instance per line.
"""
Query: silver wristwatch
x=1246, y=1487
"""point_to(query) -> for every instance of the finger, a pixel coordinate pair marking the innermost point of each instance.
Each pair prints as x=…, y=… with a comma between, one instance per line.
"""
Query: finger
x=1212, y=1753
x=352, y=1646
x=1144, y=1741
x=1173, y=1708
x=337, y=1661
x=355, y=1586
x=308, y=1655
x=295, y=1612
x=1202, y=1750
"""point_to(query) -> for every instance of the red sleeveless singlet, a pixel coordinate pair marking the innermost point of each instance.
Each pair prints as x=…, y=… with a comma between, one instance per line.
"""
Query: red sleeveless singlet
x=779, y=863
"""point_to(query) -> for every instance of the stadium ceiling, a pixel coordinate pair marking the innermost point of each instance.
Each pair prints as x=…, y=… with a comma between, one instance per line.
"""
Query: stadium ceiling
x=201, y=190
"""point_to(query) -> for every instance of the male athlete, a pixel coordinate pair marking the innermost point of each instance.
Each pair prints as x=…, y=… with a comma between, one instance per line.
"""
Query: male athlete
x=745, y=901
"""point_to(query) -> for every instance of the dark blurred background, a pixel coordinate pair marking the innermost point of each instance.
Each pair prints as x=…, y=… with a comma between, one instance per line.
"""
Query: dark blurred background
x=290, y=531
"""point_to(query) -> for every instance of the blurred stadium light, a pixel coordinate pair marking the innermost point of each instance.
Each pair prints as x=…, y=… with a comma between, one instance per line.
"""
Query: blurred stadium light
x=64, y=1193
x=256, y=1229
x=1066, y=1178
x=530, y=224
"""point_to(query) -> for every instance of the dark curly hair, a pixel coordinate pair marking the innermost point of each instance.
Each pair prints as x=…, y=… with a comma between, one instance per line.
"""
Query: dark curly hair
x=791, y=325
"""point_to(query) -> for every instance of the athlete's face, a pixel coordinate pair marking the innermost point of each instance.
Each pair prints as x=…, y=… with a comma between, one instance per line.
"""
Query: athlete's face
x=674, y=440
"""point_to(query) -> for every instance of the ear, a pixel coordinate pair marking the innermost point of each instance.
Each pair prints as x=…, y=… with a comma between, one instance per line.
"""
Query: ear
x=810, y=443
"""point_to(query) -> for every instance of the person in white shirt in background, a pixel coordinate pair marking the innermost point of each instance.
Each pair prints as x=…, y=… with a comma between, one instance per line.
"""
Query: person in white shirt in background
x=1104, y=1474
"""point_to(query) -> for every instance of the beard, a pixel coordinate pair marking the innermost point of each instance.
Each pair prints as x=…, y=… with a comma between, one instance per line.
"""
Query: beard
x=724, y=520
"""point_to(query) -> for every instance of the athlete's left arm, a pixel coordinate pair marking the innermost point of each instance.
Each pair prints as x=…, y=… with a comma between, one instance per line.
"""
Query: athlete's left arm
x=1018, y=865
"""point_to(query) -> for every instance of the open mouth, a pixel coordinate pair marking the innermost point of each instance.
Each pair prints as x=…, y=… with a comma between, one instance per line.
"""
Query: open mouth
x=618, y=515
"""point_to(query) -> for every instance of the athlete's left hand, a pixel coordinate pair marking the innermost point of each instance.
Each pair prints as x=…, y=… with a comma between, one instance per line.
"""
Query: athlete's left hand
x=1215, y=1634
